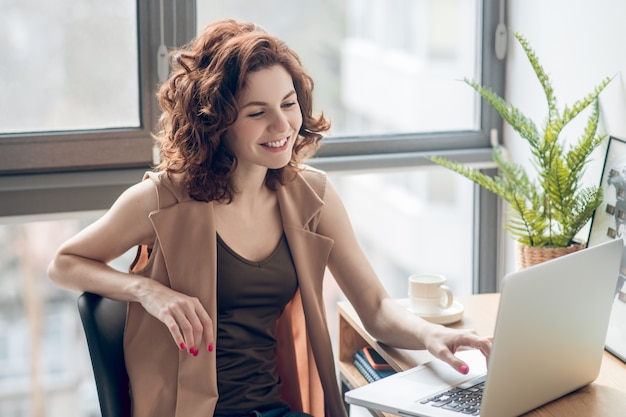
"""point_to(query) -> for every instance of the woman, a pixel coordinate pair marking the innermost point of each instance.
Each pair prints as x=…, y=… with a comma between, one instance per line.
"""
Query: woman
x=226, y=315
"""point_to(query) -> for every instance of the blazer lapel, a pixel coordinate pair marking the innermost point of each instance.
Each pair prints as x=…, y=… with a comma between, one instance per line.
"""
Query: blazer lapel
x=300, y=206
x=186, y=233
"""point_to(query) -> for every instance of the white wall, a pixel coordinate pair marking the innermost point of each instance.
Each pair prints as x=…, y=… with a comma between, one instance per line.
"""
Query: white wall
x=578, y=43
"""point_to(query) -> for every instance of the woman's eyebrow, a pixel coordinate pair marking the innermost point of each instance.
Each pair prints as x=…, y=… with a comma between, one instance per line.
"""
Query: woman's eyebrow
x=262, y=103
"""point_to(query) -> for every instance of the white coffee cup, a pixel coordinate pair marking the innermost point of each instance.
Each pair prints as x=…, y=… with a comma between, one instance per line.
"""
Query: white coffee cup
x=429, y=294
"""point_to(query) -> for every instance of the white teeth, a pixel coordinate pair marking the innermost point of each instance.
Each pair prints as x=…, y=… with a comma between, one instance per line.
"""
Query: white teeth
x=276, y=144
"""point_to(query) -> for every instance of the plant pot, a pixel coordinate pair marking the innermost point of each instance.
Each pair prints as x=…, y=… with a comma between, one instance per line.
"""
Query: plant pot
x=532, y=255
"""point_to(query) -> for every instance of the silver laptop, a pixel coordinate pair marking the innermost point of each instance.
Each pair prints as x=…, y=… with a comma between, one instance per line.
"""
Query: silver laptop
x=548, y=341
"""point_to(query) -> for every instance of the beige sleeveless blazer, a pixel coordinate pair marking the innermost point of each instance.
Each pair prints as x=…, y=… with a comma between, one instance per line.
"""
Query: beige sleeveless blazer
x=168, y=382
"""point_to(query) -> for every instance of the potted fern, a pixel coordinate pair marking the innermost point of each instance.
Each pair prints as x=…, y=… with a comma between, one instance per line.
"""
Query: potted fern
x=548, y=209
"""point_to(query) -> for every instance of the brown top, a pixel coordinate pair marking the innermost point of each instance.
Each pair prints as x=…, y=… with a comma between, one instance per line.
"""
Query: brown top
x=250, y=298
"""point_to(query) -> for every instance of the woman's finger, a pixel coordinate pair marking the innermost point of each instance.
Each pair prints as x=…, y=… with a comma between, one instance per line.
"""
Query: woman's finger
x=186, y=328
x=174, y=330
x=197, y=326
x=207, y=326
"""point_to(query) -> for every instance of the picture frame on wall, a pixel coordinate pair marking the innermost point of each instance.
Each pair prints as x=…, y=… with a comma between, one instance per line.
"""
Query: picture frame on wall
x=608, y=223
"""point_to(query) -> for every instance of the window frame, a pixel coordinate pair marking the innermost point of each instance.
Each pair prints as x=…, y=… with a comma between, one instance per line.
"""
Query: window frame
x=82, y=171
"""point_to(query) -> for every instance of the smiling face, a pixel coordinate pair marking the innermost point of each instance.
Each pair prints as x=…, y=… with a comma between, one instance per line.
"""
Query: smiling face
x=268, y=122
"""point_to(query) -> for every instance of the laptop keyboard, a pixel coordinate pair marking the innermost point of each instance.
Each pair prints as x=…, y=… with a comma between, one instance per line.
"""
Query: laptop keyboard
x=464, y=399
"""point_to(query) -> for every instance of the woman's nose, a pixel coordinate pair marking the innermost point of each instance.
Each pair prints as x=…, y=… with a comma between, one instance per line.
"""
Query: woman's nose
x=280, y=122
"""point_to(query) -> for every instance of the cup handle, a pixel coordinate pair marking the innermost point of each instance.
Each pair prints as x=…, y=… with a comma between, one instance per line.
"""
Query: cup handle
x=448, y=295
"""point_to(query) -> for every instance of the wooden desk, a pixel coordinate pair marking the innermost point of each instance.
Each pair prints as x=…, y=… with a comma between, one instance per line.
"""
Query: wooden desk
x=606, y=397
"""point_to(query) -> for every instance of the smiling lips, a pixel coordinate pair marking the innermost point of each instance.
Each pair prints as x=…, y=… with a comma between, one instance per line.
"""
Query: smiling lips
x=276, y=144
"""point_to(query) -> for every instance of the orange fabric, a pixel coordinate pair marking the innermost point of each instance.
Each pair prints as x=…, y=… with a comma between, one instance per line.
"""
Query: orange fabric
x=306, y=394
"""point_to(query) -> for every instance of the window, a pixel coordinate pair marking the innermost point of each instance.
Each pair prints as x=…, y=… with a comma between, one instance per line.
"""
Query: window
x=44, y=362
x=85, y=55
x=74, y=159
x=381, y=67
x=77, y=91
x=401, y=62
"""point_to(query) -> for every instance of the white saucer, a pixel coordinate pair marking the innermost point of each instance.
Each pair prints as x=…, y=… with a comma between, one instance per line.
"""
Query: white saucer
x=450, y=315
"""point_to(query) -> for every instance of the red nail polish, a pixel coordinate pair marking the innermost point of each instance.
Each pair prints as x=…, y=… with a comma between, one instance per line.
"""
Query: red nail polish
x=464, y=369
x=182, y=346
x=210, y=348
x=193, y=351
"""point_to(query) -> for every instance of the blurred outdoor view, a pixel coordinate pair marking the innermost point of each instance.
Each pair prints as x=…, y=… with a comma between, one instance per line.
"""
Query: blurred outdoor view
x=380, y=66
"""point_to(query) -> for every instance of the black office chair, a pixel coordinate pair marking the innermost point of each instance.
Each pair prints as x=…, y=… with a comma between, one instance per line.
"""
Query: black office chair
x=103, y=320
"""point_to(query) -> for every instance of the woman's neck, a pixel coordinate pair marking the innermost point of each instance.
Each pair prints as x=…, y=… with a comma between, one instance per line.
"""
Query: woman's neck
x=250, y=188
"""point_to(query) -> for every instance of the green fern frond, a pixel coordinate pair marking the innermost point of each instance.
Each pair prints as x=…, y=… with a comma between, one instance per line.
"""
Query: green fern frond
x=513, y=178
x=541, y=75
x=558, y=185
x=522, y=124
x=570, y=113
x=580, y=152
x=526, y=222
x=469, y=173
x=585, y=203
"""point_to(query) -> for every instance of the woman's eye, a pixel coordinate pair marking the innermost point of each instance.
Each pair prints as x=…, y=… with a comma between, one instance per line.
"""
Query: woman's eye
x=256, y=114
x=290, y=104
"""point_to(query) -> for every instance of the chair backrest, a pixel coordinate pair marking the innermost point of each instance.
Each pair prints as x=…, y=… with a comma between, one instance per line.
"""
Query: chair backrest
x=103, y=320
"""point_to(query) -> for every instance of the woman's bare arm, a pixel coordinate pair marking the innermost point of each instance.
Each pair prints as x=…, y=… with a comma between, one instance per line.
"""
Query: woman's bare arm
x=81, y=264
x=385, y=319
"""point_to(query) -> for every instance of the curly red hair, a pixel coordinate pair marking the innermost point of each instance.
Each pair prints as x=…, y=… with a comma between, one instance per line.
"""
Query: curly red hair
x=199, y=105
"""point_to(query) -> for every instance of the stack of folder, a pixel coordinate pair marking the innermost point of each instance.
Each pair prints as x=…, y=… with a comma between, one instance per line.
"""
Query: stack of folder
x=365, y=368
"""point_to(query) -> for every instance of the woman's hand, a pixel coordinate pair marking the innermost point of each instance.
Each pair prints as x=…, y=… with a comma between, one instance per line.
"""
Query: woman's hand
x=187, y=320
x=443, y=343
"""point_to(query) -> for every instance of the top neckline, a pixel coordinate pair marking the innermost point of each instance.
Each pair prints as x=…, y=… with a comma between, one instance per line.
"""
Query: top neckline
x=260, y=263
